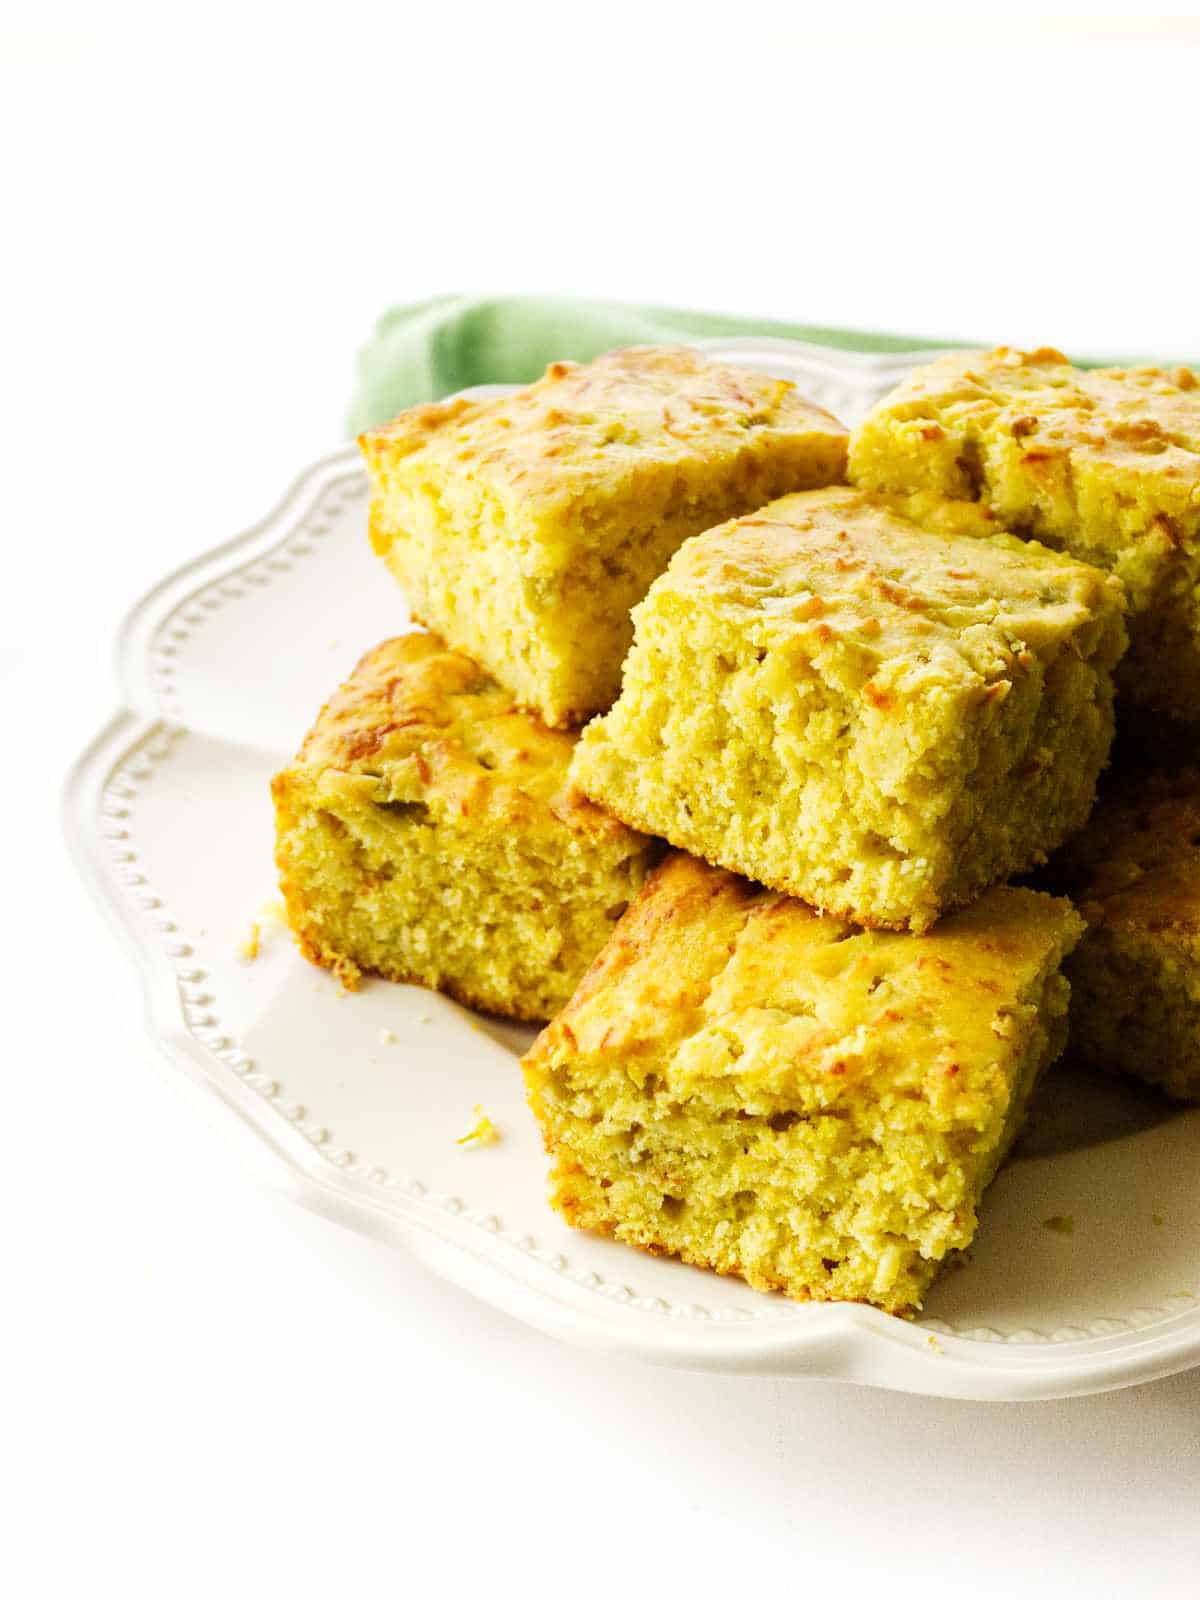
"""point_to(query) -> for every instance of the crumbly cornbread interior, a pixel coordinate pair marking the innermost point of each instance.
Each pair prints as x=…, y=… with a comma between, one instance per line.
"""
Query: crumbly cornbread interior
x=524, y=528
x=1104, y=464
x=1135, y=979
x=881, y=705
x=426, y=832
x=782, y=1096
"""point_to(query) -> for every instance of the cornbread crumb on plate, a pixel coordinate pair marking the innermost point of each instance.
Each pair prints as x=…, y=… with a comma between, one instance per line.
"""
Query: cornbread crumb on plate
x=426, y=832
x=1104, y=464
x=523, y=528
x=270, y=917
x=785, y=1097
x=482, y=1133
x=881, y=705
x=1135, y=873
x=1065, y=1225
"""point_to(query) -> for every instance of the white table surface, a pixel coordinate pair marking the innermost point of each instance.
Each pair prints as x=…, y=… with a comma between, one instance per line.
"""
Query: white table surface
x=207, y=1390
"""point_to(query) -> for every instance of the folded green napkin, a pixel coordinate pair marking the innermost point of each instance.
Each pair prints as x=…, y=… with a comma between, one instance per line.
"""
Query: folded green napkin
x=423, y=351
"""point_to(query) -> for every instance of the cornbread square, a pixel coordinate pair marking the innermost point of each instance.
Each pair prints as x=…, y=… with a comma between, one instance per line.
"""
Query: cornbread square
x=1135, y=978
x=756, y=1088
x=426, y=833
x=879, y=705
x=1105, y=465
x=524, y=528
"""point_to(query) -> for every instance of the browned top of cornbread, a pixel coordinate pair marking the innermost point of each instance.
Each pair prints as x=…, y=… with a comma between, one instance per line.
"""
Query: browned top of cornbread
x=910, y=583
x=1138, y=860
x=1144, y=421
x=727, y=978
x=583, y=426
x=417, y=722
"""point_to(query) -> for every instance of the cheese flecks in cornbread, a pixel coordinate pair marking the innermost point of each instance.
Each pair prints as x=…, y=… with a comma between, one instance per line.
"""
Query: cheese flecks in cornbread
x=786, y=1097
x=1135, y=873
x=426, y=832
x=1105, y=465
x=524, y=528
x=878, y=704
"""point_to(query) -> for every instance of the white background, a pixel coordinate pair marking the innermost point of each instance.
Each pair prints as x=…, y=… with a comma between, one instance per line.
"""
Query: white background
x=207, y=1391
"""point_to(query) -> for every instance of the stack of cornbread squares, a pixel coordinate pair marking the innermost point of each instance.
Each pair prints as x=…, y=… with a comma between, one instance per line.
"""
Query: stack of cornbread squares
x=856, y=684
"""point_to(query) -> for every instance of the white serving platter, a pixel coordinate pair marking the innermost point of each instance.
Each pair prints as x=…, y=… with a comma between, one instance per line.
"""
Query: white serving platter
x=222, y=667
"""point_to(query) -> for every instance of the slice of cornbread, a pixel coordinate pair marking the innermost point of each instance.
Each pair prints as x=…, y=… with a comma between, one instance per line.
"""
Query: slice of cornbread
x=426, y=832
x=782, y=1096
x=524, y=528
x=879, y=705
x=1135, y=873
x=1105, y=465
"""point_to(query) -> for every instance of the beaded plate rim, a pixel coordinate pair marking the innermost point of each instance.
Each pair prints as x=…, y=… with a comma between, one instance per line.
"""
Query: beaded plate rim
x=465, y=1243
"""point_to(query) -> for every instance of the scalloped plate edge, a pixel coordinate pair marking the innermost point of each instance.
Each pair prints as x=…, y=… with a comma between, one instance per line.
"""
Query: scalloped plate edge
x=848, y=1342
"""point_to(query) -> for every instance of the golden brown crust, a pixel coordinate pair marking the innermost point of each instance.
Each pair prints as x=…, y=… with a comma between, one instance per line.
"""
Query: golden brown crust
x=789, y=1099
x=666, y=948
x=426, y=833
x=1105, y=464
x=525, y=527
x=876, y=703
x=1143, y=420
x=815, y=1002
x=843, y=562
x=577, y=424
x=417, y=723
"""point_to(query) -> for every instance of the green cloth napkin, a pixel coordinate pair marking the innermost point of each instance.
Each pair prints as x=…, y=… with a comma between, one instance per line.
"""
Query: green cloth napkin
x=421, y=352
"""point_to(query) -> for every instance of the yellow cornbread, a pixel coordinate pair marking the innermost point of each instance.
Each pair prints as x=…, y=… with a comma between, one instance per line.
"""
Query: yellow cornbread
x=524, y=528
x=779, y=1095
x=426, y=832
x=879, y=705
x=1135, y=873
x=1105, y=465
